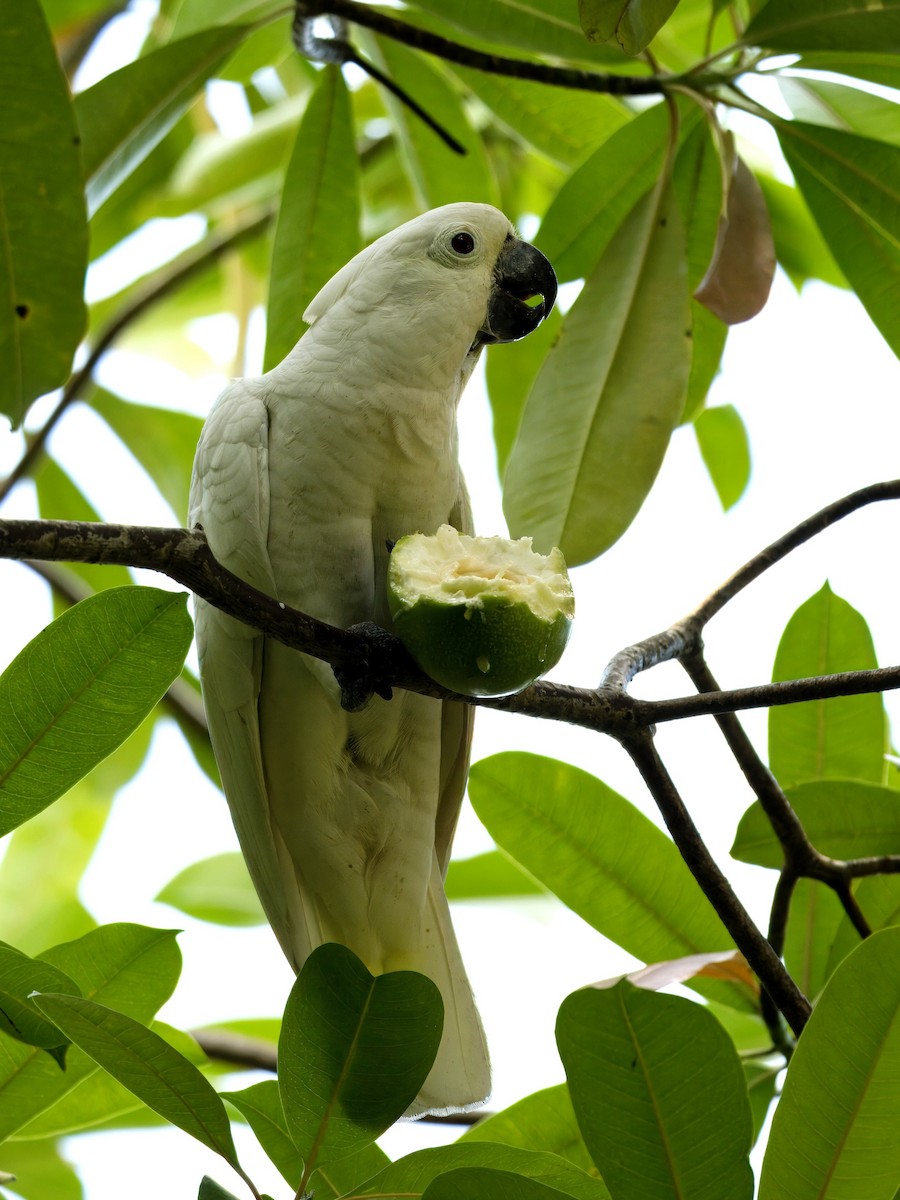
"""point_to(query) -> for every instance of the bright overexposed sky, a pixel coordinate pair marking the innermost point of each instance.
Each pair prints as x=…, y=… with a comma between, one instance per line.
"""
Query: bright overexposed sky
x=819, y=391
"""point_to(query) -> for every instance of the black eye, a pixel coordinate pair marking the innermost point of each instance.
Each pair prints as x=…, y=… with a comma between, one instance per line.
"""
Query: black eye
x=463, y=243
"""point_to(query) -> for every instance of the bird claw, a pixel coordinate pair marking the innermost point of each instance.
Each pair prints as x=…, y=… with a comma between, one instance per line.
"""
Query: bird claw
x=360, y=681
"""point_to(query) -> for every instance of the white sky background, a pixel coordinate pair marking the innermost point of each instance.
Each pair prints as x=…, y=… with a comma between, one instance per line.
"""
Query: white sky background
x=819, y=391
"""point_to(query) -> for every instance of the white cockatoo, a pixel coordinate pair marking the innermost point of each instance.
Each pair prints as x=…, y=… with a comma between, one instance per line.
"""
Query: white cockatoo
x=302, y=479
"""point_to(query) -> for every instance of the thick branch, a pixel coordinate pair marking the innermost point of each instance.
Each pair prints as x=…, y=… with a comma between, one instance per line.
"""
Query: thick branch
x=466, y=56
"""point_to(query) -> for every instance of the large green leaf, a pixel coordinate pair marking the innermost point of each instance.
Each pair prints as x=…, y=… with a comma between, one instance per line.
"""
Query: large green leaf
x=411, y=1175
x=438, y=174
x=722, y=437
x=579, y=472
x=191, y=15
x=43, y=227
x=877, y=68
x=318, y=222
x=826, y=25
x=842, y=817
x=510, y=374
x=148, y=1066
x=544, y=1120
x=19, y=977
x=814, y=917
x=354, y=1051
x=41, y=1171
x=834, y=1134
x=80, y=687
x=599, y=854
x=491, y=874
x=599, y=195
x=128, y=112
x=659, y=1094
x=128, y=966
x=629, y=24
x=879, y=898
x=163, y=442
x=487, y=1183
x=841, y=738
x=344, y=1176
x=852, y=187
x=216, y=889
x=800, y=247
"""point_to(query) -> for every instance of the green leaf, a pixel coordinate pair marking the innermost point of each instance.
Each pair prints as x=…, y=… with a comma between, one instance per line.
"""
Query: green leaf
x=826, y=25
x=544, y=1120
x=80, y=687
x=354, y=1051
x=318, y=222
x=697, y=180
x=822, y=102
x=799, y=246
x=439, y=175
x=877, y=68
x=578, y=474
x=840, y=738
x=491, y=874
x=163, y=442
x=510, y=374
x=597, y=197
x=659, y=1093
x=147, y=1065
x=559, y=122
x=723, y=442
x=842, y=817
x=834, y=1133
x=761, y=1083
x=339, y=1178
x=19, y=977
x=41, y=1172
x=210, y=1190
x=486, y=1183
x=133, y=968
x=43, y=227
x=260, y=1104
x=813, y=920
x=192, y=15
x=852, y=187
x=879, y=898
x=128, y=112
x=413, y=1174
x=708, y=337
x=600, y=855
x=216, y=889
x=629, y=24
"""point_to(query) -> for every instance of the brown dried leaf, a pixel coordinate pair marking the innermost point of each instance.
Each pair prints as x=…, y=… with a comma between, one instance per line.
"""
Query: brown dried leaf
x=737, y=283
x=726, y=965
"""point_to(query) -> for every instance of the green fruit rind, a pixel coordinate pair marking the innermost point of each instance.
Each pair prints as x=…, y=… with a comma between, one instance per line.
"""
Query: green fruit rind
x=481, y=616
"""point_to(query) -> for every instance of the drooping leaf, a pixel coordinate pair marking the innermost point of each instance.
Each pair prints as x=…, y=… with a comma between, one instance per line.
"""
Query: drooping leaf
x=737, y=283
x=216, y=889
x=823, y=102
x=834, y=1131
x=491, y=874
x=163, y=442
x=842, y=25
x=600, y=855
x=842, y=817
x=697, y=180
x=544, y=1120
x=708, y=337
x=580, y=471
x=629, y=24
x=840, y=738
x=43, y=226
x=437, y=173
x=659, y=1094
x=318, y=222
x=128, y=112
x=413, y=1174
x=260, y=1104
x=354, y=1051
x=130, y=967
x=80, y=687
x=723, y=442
x=148, y=1066
x=852, y=187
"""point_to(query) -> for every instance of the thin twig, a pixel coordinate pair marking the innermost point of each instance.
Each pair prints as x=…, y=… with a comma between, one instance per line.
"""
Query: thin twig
x=155, y=289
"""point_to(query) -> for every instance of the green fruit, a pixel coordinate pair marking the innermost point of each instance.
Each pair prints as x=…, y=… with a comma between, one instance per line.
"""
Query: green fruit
x=484, y=616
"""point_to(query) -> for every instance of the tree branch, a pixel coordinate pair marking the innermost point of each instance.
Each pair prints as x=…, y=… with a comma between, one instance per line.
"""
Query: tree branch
x=467, y=56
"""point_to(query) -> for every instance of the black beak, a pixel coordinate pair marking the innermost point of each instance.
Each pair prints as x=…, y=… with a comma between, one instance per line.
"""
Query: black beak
x=521, y=274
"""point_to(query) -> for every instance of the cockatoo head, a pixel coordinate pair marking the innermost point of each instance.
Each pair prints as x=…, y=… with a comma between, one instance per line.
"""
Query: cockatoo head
x=458, y=275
